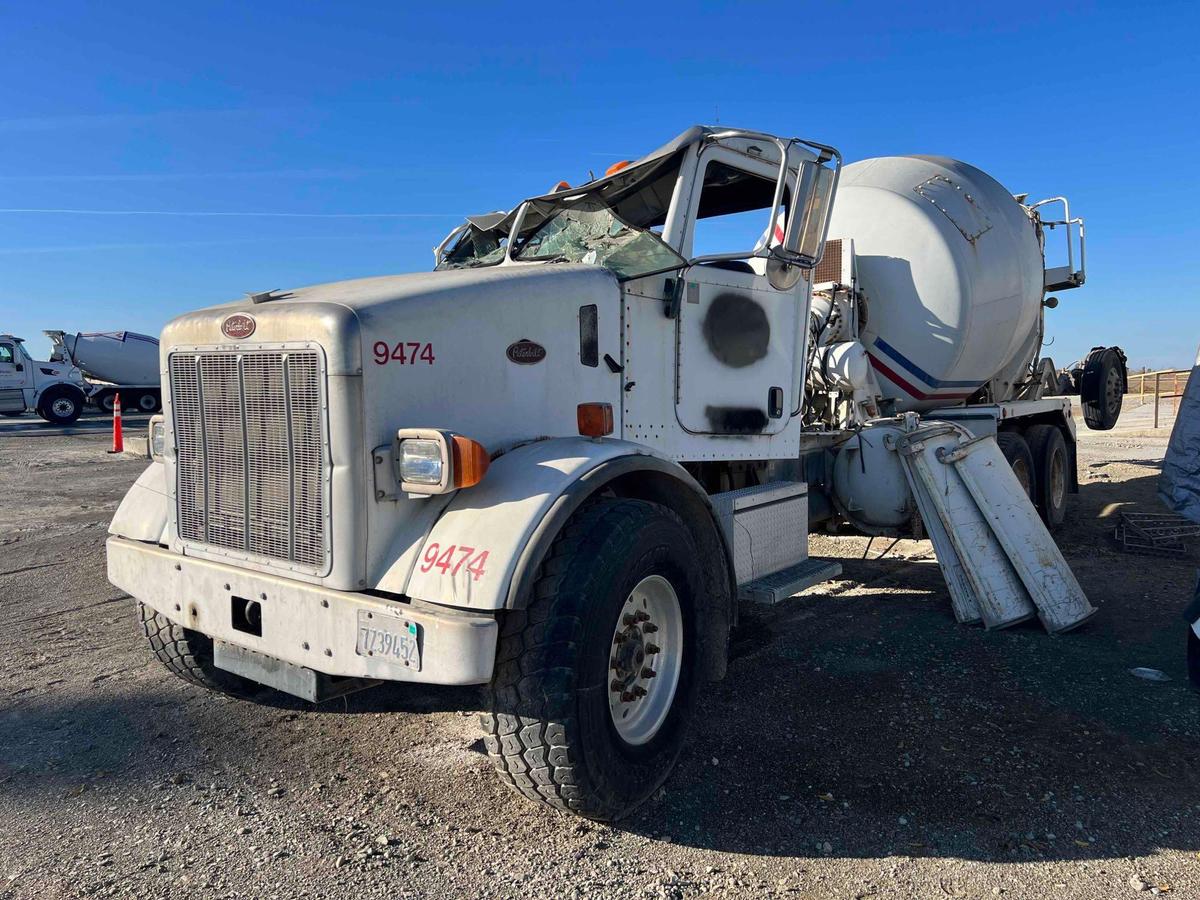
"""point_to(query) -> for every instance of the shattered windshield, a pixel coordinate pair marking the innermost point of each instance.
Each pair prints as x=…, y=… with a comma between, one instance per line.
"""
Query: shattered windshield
x=586, y=230
x=474, y=248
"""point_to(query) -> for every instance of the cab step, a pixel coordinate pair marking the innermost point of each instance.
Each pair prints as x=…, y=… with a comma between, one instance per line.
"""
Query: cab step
x=792, y=580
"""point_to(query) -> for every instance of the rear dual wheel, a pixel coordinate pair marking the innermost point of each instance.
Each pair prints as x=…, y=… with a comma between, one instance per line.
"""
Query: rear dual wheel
x=596, y=678
x=1039, y=460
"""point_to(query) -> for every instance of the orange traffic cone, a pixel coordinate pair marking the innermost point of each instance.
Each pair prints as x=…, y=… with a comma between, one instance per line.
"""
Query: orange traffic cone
x=118, y=437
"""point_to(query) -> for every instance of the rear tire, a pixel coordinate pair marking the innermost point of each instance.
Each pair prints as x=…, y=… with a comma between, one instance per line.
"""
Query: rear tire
x=104, y=401
x=1052, y=472
x=189, y=655
x=559, y=727
x=1102, y=388
x=61, y=405
x=1020, y=459
x=147, y=402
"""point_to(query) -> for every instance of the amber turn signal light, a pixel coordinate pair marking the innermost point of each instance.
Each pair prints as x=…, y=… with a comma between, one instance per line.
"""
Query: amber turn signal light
x=595, y=419
x=471, y=461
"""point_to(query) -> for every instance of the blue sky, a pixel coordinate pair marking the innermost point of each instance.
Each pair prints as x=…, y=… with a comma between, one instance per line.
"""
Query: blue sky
x=368, y=130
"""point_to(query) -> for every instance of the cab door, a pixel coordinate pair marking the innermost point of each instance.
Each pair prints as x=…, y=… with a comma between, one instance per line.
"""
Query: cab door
x=12, y=378
x=737, y=335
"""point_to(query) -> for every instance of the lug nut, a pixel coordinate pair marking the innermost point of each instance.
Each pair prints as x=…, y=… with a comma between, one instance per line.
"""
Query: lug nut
x=619, y=638
x=649, y=628
x=639, y=692
x=627, y=697
x=648, y=673
x=617, y=686
x=614, y=663
x=629, y=619
x=651, y=649
x=642, y=616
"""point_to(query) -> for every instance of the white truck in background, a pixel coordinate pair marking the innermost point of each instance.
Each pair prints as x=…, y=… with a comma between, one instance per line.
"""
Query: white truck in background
x=54, y=389
x=113, y=362
x=555, y=465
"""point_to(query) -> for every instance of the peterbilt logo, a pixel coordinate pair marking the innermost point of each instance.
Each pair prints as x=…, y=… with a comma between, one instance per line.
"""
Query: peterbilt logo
x=238, y=326
x=525, y=352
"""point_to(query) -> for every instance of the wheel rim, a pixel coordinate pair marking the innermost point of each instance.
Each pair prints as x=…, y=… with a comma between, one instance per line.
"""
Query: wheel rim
x=1112, y=390
x=646, y=660
x=1058, y=480
x=62, y=407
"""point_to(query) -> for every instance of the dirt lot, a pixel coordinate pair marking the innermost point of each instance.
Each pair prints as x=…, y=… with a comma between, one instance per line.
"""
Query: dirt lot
x=863, y=745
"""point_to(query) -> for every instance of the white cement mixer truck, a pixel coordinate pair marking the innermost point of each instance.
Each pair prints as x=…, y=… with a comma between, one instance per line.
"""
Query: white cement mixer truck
x=555, y=465
x=55, y=390
x=112, y=363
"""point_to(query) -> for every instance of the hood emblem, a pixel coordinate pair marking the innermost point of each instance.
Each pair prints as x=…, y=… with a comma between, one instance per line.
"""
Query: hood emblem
x=238, y=327
x=525, y=352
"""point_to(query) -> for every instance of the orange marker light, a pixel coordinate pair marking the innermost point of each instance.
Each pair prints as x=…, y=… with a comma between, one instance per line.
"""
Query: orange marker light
x=595, y=419
x=616, y=167
x=471, y=461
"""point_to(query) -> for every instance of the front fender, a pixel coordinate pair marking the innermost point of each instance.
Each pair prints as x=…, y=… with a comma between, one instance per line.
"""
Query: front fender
x=142, y=515
x=512, y=516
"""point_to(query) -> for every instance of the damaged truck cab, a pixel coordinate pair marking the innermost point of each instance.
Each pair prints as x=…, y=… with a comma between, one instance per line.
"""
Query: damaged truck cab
x=528, y=469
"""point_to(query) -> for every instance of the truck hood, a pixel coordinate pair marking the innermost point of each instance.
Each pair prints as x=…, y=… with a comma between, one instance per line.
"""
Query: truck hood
x=335, y=313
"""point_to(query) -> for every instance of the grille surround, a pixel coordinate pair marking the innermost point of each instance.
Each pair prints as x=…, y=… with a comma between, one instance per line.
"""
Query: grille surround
x=252, y=453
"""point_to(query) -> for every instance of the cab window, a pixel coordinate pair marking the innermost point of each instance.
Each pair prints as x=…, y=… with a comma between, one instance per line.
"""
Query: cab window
x=6, y=354
x=734, y=210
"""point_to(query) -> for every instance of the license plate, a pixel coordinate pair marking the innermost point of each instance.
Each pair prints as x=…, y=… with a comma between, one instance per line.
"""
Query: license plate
x=383, y=636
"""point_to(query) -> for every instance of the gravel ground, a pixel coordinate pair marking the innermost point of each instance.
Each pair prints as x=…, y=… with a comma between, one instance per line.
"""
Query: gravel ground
x=863, y=745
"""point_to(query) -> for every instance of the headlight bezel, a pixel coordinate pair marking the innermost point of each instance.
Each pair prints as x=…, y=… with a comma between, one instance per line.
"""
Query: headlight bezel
x=464, y=462
x=157, y=424
x=435, y=436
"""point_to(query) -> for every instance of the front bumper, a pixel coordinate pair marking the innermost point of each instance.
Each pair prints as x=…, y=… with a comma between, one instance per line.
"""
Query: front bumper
x=302, y=624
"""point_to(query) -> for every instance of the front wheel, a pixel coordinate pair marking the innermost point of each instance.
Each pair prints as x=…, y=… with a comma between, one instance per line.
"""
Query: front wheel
x=188, y=654
x=61, y=405
x=596, y=678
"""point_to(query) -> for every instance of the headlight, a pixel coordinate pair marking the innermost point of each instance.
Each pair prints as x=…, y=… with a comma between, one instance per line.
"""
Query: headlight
x=433, y=461
x=421, y=461
x=158, y=437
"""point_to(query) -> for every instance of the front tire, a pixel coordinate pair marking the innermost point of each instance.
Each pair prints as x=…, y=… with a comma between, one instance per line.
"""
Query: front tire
x=188, y=654
x=61, y=405
x=596, y=679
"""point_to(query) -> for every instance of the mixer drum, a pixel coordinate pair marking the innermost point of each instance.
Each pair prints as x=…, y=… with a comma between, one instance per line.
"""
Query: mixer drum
x=952, y=269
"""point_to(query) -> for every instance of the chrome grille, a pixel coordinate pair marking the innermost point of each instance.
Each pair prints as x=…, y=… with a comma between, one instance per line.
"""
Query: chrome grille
x=251, y=452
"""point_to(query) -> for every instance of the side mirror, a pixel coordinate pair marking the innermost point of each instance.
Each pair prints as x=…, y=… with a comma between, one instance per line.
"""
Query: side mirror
x=805, y=236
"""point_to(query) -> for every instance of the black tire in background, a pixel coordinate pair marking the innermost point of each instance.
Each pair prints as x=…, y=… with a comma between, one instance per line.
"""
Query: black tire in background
x=146, y=402
x=1102, y=388
x=1051, y=471
x=549, y=729
x=61, y=404
x=1016, y=451
x=189, y=655
x=104, y=400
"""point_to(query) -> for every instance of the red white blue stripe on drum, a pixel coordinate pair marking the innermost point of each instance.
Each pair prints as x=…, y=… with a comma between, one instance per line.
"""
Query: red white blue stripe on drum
x=912, y=379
